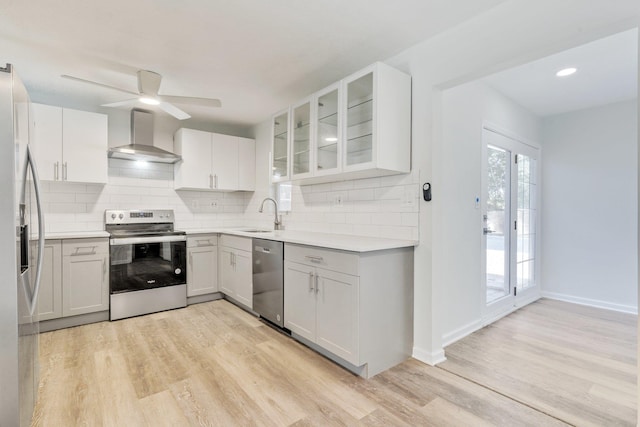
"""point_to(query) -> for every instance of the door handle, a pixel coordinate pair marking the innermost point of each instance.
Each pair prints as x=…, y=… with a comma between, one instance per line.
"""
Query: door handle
x=311, y=281
x=64, y=171
x=104, y=267
x=487, y=231
x=317, y=288
x=56, y=170
x=210, y=181
x=190, y=259
x=215, y=177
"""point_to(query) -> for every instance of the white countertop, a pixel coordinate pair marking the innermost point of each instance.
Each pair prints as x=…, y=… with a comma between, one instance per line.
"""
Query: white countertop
x=76, y=235
x=326, y=240
x=343, y=242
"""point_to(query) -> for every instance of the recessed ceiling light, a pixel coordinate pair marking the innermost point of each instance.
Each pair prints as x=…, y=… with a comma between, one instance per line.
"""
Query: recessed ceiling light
x=149, y=101
x=566, y=72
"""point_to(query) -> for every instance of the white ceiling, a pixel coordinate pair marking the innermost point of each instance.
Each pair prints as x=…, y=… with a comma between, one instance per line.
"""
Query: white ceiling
x=257, y=56
x=607, y=73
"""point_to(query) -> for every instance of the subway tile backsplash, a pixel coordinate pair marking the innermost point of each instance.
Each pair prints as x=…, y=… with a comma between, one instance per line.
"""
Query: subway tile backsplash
x=381, y=207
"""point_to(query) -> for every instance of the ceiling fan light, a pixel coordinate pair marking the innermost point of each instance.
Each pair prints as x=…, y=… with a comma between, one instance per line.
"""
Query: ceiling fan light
x=149, y=101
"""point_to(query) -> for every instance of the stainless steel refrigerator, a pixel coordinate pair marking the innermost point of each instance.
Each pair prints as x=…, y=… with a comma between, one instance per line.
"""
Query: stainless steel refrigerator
x=21, y=245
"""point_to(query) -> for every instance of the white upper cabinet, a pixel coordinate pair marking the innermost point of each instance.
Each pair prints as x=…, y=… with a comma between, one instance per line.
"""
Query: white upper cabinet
x=359, y=127
x=70, y=145
x=280, y=147
x=212, y=161
x=377, y=129
x=301, y=135
x=246, y=160
x=328, y=136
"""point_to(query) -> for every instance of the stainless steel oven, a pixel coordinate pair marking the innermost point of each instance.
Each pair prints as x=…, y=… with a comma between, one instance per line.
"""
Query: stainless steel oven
x=147, y=262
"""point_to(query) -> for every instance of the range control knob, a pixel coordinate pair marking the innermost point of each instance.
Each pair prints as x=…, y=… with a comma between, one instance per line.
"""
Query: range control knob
x=121, y=216
x=113, y=216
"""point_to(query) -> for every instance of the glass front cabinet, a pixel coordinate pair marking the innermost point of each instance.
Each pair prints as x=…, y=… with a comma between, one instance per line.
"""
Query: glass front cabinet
x=280, y=147
x=301, y=153
x=357, y=128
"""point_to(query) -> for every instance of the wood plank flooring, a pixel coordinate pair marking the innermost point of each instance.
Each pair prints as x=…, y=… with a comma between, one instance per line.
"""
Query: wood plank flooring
x=573, y=362
x=212, y=364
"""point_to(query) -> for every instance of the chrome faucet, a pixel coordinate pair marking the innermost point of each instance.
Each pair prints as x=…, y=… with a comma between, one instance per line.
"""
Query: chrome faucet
x=277, y=221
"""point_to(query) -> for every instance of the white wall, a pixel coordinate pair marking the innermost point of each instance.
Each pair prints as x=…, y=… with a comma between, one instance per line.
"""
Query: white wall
x=590, y=210
x=465, y=109
x=510, y=34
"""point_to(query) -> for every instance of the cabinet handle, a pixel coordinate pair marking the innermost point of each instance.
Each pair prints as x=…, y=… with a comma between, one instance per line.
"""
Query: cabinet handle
x=311, y=281
x=64, y=171
x=191, y=259
x=215, y=177
x=313, y=258
x=210, y=181
x=92, y=250
x=317, y=288
x=104, y=267
x=56, y=167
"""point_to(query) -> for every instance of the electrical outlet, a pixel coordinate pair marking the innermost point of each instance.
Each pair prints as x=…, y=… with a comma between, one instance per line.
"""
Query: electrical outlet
x=409, y=197
x=337, y=200
x=195, y=204
x=213, y=204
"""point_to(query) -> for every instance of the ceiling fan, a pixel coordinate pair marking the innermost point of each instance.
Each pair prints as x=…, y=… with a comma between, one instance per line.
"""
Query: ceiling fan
x=148, y=86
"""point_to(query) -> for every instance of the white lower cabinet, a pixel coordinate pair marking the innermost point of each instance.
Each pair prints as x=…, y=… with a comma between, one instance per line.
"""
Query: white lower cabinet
x=75, y=278
x=236, y=277
x=355, y=308
x=202, y=264
x=85, y=276
x=50, y=296
x=321, y=306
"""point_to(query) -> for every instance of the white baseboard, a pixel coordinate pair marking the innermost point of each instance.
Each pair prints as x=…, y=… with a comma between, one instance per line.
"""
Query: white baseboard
x=591, y=302
x=430, y=358
x=462, y=332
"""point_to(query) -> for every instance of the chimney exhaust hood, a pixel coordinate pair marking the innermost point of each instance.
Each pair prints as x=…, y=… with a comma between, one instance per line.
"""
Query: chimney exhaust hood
x=141, y=147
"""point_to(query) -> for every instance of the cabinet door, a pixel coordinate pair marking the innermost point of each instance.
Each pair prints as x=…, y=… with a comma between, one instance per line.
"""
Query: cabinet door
x=337, y=314
x=47, y=141
x=301, y=138
x=328, y=122
x=227, y=273
x=202, y=270
x=50, y=296
x=224, y=162
x=280, y=147
x=243, y=278
x=84, y=146
x=359, y=127
x=300, y=299
x=246, y=164
x=194, y=170
x=85, y=284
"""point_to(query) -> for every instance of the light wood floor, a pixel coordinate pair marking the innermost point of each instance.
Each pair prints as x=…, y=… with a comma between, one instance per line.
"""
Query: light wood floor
x=574, y=362
x=213, y=364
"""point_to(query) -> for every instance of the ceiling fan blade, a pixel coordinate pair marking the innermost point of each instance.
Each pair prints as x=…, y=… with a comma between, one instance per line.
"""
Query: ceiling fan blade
x=125, y=103
x=190, y=100
x=149, y=82
x=98, y=84
x=174, y=111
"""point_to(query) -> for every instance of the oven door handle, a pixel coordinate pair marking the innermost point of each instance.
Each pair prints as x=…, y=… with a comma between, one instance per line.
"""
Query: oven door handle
x=148, y=239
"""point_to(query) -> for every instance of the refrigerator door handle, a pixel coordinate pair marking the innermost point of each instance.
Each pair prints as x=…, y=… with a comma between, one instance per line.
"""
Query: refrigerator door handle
x=36, y=185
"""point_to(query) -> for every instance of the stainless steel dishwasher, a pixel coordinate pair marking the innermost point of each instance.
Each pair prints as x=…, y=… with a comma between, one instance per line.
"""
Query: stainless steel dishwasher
x=268, y=280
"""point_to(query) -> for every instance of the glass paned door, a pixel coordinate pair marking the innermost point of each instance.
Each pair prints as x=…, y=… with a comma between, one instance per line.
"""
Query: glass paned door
x=509, y=222
x=327, y=137
x=301, y=157
x=359, y=127
x=496, y=223
x=280, y=166
x=526, y=224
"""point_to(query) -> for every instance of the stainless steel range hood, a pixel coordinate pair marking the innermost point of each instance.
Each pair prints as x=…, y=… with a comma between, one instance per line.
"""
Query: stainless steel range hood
x=142, y=147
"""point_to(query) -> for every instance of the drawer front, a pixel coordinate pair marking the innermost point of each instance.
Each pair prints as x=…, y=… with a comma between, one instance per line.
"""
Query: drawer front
x=340, y=261
x=237, y=242
x=202, y=240
x=80, y=247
